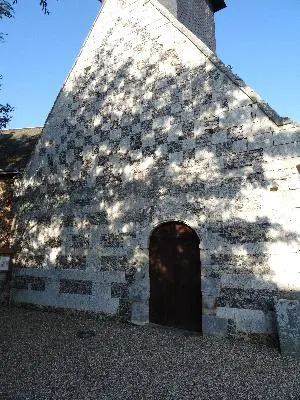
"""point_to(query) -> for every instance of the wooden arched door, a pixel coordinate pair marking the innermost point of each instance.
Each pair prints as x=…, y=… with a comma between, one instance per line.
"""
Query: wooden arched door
x=175, y=277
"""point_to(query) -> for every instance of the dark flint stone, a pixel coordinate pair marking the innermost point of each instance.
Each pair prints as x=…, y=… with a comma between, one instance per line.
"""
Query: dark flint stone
x=135, y=142
x=71, y=262
x=88, y=140
x=264, y=300
x=80, y=241
x=135, y=119
x=23, y=282
x=54, y=242
x=62, y=157
x=146, y=126
x=188, y=130
x=223, y=148
x=125, y=131
x=110, y=263
x=97, y=218
x=231, y=327
x=75, y=287
x=124, y=309
x=244, y=232
x=119, y=290
x=162, y=112
x=112, y=239
x=250, y=263
x=243, y=159
x=189, y=154
x=38, y=284
x=174, y=147
x=20, y=283
x=147, y=151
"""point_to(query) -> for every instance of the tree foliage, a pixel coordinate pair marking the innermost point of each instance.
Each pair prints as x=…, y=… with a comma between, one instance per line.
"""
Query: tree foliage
x=43, y=4
x=6, y=9
x=5, y=114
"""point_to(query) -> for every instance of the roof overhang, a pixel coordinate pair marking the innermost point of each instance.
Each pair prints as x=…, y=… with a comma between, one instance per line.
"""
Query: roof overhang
x=217, y=5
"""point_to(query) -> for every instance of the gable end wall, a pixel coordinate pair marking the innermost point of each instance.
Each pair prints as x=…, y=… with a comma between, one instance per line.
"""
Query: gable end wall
x=147, y=129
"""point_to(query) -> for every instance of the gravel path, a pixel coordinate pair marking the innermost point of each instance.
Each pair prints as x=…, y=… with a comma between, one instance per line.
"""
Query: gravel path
x=43, y=358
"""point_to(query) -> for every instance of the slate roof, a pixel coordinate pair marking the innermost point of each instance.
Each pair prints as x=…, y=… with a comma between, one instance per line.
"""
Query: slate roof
x=217, y=5
x=16, y=147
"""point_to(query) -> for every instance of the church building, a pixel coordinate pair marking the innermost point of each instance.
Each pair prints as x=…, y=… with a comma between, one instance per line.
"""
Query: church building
x=162, y=189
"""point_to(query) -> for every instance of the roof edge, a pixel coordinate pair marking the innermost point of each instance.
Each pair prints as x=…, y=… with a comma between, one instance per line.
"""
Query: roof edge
x=26, y=127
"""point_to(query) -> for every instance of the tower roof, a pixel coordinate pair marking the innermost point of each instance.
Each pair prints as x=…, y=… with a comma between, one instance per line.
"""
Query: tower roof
x=217, y=5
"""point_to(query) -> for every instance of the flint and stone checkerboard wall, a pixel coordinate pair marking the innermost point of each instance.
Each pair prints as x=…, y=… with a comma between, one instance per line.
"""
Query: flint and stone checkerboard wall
x=151, y=127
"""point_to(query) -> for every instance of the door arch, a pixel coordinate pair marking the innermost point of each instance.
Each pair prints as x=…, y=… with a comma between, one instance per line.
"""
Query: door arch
x=175, y=276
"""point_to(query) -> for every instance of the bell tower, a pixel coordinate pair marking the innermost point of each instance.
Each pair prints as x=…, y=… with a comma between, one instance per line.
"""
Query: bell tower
x=197, y=16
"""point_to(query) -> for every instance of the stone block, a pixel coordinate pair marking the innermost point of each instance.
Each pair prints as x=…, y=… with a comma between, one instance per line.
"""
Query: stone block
x=214, y=326
x=209, y=302
x=252, y=321
x=248, y=321
x=239, y=145
x=176, y=157
x=176, y=108
x=287, y=136
x=255, y=299
x=262, y=141
x=226, y=312
x=4, y=263
x=140, y=313
x=219, y=137
x=284, y=151
x=288, y=321
x=210, y=286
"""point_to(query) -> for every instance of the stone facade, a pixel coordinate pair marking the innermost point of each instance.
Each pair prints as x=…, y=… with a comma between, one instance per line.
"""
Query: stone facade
x=151, y=127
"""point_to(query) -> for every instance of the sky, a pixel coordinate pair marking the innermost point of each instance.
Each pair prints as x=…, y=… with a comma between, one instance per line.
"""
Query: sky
x=259, y=39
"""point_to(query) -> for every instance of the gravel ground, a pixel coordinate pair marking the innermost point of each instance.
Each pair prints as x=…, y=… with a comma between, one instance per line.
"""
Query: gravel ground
x=42, y=357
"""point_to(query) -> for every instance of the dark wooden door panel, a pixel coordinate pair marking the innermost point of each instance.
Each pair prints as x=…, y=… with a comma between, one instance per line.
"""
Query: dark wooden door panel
x=175, y=277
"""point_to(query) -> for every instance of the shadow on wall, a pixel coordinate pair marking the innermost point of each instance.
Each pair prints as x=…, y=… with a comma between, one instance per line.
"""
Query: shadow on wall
x=130, y=146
